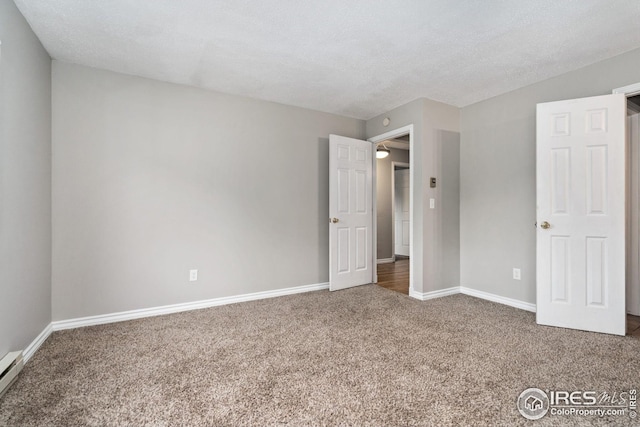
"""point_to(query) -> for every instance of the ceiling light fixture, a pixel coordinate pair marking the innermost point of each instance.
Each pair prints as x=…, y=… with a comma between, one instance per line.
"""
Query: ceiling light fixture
x=383, y=152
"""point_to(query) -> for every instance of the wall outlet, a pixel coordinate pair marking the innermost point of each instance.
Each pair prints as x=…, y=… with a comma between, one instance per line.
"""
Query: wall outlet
x=432, y=203
x=516, y=274
x=193, y=275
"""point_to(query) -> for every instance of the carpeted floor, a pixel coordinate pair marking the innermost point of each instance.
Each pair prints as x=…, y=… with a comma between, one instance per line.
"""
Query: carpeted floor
x=364, y=356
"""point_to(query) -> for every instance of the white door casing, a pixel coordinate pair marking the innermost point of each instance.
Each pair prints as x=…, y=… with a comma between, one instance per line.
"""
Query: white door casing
x=395, y=133
x=351, y=212
x=401, y=212
x=633, y=224
x=581, y=147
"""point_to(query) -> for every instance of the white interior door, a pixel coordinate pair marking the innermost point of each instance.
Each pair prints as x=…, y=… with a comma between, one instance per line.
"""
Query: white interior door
x=401, y=212
x=581, y=214
x=351, y=212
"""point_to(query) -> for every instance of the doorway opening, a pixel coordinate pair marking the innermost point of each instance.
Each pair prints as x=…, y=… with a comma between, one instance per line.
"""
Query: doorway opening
x=633, y=216
x=393, y=213
x=633, y=209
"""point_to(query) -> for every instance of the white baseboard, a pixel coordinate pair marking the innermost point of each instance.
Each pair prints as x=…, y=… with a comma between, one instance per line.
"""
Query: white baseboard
x=499, y=299
x=434, y=294
x=60, y=325
x=195, y=305
x=474, y=293
x=384, y=260
x=35, y=344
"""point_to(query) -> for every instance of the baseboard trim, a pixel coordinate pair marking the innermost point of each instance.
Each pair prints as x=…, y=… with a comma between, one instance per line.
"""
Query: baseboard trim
x=434, y=294
x=35, y=344
x=122, y=316
x=195, y=305
x=499, y=299
x=473, y=293
x=384, y=261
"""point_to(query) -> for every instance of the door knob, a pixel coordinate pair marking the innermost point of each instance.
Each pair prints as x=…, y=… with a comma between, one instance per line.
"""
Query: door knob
x=545, y=225
x=334, y=220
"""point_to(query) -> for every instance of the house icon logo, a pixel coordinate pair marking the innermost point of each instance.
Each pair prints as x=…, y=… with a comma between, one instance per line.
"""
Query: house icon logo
x=533, y=403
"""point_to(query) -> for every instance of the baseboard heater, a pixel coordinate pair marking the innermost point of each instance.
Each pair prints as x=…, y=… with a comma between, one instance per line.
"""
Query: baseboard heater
x=10, y=367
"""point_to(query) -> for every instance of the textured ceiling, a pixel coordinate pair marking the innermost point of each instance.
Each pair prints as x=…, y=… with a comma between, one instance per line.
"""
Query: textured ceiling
x=357, y=58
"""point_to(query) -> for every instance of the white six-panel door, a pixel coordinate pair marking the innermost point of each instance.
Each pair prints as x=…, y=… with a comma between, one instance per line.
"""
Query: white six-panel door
x=351, y=212
x=581, y=214
x=401, y=212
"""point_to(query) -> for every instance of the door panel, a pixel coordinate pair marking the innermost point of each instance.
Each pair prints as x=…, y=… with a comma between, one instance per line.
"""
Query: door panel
x=560, y=190
x=581, y=195
x=560, y=256
x=351, y=212
x=596, y=272
x=596, y=180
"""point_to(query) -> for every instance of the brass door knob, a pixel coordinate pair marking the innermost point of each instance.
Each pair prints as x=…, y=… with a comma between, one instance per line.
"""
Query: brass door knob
x=334, y=220
x=545, y=225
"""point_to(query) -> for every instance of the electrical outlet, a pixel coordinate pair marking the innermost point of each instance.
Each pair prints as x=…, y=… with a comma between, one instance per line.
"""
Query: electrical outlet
x=516, y=274
x=193, y=275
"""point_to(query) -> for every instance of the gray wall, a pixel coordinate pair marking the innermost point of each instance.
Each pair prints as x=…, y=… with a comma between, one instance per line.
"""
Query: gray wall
x=498, y=189
x=429, y=118
x=448, y=228
x=25, y=182
x=152, y=179
x=384, y=203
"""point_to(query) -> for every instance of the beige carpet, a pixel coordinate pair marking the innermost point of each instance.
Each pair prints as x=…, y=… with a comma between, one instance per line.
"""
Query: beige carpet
x=365, y=356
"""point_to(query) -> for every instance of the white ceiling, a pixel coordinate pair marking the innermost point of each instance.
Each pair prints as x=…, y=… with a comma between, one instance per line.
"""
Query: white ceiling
x=358, y=58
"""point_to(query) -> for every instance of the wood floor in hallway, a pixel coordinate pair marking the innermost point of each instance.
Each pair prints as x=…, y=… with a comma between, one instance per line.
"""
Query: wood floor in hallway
x=395, y=276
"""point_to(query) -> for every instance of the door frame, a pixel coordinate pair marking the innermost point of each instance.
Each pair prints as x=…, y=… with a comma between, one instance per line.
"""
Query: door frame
x=374, y=140
x=393, y=203
x=633, y=211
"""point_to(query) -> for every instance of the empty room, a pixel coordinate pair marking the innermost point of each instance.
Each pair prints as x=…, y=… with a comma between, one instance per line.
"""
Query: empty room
x=221, y=213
